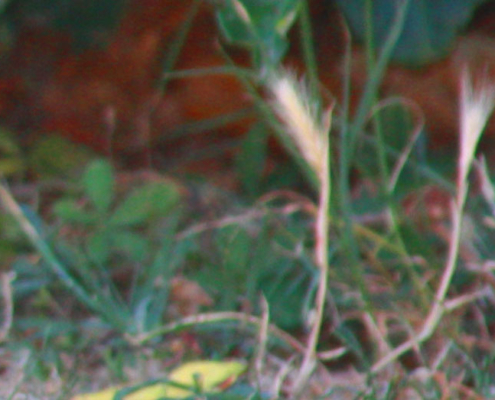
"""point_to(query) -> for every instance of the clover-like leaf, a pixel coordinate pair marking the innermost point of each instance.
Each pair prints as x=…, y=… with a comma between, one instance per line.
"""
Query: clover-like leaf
x=99, y=245
x=70, y=211
x=133, y=244
x=98, y=182
x=151, y=200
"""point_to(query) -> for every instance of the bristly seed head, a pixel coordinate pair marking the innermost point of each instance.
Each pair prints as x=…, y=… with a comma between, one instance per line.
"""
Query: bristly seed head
x=475, y=109
x=298, y=113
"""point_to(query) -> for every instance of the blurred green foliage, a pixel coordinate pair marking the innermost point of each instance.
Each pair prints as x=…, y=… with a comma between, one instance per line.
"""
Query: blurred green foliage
x=259, y=25
x=100, y=230
x=95, y=235
x=11, y=158
x=116, y=228
x=246, y=263
x=52, y=156
x=430, y=28
x=88, y=22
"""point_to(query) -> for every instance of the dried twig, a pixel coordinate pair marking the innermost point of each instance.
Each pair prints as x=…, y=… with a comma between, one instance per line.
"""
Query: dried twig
x=6, y=280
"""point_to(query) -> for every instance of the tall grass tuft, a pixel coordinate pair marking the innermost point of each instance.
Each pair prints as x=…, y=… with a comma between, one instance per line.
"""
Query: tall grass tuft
x=299, y=114
x=476, y=106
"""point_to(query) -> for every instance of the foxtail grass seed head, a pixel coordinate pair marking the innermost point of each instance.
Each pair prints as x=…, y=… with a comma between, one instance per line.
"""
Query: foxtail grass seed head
x=475, y=109
x=292, y=104
x=241, y=12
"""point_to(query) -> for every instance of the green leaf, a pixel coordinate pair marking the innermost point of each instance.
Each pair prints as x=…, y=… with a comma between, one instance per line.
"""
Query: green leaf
x=89, y=22
x=132, y=244
x=98, y=182
x=11, y=160
x=285, y=285
x=260, y=25
x=53, y=155
x=151, y=200
x=98, y=246
x=250, y=161
x=11, y=166
x=430, y=28
x=228, y=278
x=346, y=331
x=237, y=249
x=69, y=211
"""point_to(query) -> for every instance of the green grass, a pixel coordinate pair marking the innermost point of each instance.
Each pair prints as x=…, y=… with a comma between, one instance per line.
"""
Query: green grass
x=303, y=274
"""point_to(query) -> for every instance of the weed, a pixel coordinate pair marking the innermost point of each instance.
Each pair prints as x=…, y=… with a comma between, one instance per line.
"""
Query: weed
x=381, y=270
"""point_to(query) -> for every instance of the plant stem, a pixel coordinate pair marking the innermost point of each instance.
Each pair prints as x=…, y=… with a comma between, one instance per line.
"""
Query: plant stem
x=214, y=318
x=53, y=262
x=376, y=75
x=321, y=259
x=349, y=139
x=475, y=111
x=177, y=46
x=6, y=279
x=310, y=63
x=438, y=310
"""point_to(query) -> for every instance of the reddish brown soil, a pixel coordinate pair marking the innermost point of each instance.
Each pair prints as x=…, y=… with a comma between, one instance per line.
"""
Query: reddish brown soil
x=107, y=98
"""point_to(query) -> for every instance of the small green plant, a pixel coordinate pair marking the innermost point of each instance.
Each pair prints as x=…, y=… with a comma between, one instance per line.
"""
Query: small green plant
x=111, y=235
x=111, y=226
x=385, y=253
x=246, y=262
x=344, y=265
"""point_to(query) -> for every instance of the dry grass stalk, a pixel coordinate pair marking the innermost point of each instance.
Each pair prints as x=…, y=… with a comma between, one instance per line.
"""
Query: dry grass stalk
x=6, y=280
x=475, y=108
x=299, y=114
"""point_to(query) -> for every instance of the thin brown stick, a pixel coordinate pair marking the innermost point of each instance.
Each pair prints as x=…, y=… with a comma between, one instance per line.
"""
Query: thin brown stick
x=6, y=280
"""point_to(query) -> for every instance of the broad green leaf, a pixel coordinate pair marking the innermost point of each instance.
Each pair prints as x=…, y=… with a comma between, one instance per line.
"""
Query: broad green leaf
x=98, y=182
x=53, y=155
x=430, y=28
x=237, y=251
x=69, y=211
x=251, y=159
x=88, y=22
x=151, y=200
x=98, y=246
x=136, y=246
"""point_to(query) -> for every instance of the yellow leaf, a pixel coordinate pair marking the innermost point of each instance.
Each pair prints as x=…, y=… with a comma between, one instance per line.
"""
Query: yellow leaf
x=151, y=392
x=209, y=375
